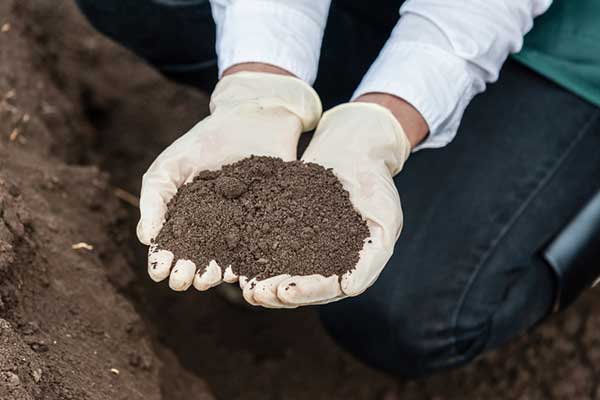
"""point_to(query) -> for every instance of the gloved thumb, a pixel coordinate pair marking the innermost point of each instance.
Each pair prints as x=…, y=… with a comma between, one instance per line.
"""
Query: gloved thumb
x=156, y=192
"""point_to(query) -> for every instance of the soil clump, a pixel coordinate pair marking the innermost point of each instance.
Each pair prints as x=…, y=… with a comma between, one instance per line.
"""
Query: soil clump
x=266, y=217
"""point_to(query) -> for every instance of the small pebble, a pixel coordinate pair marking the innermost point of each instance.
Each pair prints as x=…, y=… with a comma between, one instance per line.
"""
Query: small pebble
x=229, y=187
x=232, y=239
x=11, y=379
x=36, y=374
x=290, y=221
x=39, y=347
x=307, y=232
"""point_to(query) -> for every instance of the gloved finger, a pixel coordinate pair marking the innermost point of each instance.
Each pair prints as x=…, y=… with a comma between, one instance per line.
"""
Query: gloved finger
x=171, y=169
x=182, y=275
x=243, y=282
x=376, y=199
x=299, y=290
x=159, y=263
x=157, y=190
x=208, y=277
x=265, y=292
x=229, y=276
x=248, y=291
x=373, y=258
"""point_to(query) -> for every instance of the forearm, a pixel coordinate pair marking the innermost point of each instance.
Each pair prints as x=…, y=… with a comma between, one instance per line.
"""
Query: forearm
x=410, y=119
x=441, y=54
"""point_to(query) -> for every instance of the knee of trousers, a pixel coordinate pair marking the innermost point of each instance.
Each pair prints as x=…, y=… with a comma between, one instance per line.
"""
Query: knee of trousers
x=405, y=338
x=413, y=332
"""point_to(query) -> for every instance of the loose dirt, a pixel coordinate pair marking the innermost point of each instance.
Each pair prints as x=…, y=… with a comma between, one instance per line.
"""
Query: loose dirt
x=66, y=329
x=266, y=217
x=92, y=103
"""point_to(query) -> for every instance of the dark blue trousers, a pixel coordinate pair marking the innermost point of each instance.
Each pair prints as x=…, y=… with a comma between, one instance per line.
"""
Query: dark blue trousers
x=466, y=275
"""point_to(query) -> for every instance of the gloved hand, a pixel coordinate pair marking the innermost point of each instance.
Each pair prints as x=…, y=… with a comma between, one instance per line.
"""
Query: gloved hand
x=251, y=113
x=365, y=146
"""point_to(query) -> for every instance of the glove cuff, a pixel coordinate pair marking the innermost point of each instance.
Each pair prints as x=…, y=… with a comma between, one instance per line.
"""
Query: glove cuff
x=269, y=91
x=371, y=127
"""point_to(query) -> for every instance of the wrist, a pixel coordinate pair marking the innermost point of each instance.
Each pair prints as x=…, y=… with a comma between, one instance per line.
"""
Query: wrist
x=265, y=89
x=410, y=119
x=256, y=67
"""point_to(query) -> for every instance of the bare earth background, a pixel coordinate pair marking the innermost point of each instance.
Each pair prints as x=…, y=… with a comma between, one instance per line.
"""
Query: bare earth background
x=79, y=117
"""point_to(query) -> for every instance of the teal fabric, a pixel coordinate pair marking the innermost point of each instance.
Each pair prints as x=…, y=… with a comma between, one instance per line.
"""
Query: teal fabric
x=564, y=46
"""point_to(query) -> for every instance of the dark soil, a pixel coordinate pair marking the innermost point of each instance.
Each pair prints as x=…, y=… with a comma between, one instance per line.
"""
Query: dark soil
x=92, y=103
x=265, y=217
x=66, y=329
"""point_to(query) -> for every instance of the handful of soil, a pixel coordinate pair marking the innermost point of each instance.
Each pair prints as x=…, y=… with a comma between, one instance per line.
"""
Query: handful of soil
x=265, y=217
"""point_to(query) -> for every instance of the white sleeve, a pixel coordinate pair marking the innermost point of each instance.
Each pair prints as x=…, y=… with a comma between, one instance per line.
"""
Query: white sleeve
x=442, y=53
x=284, y=33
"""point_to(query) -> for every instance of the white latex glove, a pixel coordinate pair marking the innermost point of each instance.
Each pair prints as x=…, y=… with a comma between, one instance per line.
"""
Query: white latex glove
x=365, y=146
x=251, y=114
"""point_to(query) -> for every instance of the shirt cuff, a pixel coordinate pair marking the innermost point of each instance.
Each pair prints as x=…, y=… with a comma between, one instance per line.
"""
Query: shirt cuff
x=272, y=33
x=432, y=80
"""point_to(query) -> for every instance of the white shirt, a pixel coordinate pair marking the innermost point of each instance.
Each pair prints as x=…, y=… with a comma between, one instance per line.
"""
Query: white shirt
x=440, y=54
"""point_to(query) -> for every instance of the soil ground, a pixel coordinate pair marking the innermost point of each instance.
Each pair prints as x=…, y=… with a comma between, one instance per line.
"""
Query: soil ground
x=70, y=318
x=66, y=329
